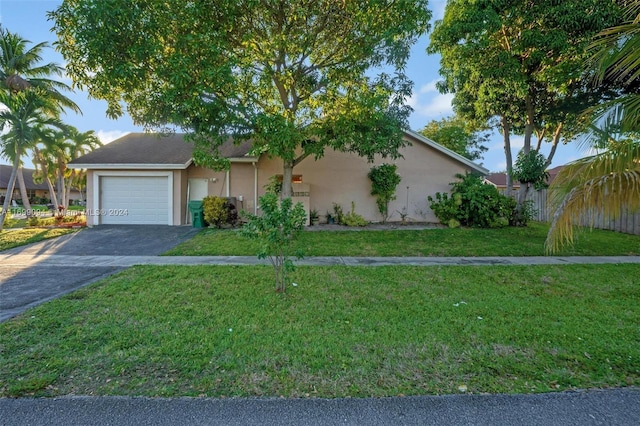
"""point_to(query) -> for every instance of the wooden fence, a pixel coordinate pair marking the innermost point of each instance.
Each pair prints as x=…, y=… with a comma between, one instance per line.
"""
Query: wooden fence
x=628, y=223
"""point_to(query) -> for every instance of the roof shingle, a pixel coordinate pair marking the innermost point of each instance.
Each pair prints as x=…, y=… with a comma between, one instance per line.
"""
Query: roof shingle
x=153, y=149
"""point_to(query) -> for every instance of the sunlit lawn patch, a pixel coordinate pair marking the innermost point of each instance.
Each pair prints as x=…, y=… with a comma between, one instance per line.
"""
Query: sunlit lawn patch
x=342, y=331
x=18, y=237
x=522, y=241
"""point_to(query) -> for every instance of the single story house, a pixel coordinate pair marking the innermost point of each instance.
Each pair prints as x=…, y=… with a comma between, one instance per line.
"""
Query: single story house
x=34, y=190
x=144, y=178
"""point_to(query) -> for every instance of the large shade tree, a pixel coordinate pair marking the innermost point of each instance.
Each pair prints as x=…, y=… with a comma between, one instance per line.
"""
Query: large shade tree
x=455, y=134
x=519, y=65
x=296, y=76
x=608, y=182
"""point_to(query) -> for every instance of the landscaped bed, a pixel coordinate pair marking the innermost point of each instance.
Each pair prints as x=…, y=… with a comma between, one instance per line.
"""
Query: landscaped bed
x=513, y=241
x=341, y=331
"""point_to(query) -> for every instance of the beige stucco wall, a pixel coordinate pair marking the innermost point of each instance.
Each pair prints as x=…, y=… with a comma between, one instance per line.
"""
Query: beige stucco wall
x=238, y=183
x=90, y=191
x=336, y=178
x=342, y=178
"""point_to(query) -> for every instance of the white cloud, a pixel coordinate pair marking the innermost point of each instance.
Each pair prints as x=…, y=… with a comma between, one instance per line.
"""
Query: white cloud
x=428, y=102
x=107, y=136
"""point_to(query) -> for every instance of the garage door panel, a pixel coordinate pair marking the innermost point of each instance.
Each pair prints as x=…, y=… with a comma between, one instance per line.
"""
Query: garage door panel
x=134, y=200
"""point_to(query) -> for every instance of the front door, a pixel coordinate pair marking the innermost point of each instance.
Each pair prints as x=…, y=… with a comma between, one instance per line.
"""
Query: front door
x=198, y=188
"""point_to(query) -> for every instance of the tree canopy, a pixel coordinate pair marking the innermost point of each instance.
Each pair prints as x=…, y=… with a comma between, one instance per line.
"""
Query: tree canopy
x=295, y=76
x=608, y=182
x=454, y=133
x=522, y=63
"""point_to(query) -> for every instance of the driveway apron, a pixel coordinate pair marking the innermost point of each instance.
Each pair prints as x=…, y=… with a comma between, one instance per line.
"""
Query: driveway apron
x=22, y=287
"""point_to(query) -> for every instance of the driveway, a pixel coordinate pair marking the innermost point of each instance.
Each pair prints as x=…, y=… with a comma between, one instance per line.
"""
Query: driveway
x=22, y=287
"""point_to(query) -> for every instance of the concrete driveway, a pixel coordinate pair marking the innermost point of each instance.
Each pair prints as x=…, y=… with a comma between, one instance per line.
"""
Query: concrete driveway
x=22, y=287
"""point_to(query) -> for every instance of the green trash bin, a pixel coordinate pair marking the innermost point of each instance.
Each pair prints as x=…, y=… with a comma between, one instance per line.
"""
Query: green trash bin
x=197, y=213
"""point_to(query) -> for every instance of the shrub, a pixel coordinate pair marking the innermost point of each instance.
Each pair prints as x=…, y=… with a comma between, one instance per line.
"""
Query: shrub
x=216, y=210
x=384, y=180
x=472, y=203
x=337, y=213
x=525, y=215
x=352, y=218
x=530, y=168
x=9, y=221
x=275, y=230
x=274, y=185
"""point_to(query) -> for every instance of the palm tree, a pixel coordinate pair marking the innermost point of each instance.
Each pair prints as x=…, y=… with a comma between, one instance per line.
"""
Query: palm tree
x=25, y=116
x=609, y=181
x=42, y=161
x=20, y=69
x=80, y=144
x=21, y=72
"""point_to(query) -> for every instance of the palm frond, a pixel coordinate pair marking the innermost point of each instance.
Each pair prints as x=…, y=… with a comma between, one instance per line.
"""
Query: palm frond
x=615, y=51
x=605, y=183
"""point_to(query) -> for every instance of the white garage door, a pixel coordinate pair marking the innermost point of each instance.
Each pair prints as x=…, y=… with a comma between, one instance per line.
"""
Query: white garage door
x=134, y=200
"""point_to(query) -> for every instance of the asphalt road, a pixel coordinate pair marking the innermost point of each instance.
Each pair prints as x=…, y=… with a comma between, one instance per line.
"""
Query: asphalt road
x=601, y=407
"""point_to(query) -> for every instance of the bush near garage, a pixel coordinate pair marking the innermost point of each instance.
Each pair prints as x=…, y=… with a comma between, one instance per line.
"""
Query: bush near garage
x=218, y=211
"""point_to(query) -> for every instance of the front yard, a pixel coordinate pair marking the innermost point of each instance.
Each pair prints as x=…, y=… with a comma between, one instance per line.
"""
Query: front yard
x=10, y=238
x=523, y=241
x=341, y=331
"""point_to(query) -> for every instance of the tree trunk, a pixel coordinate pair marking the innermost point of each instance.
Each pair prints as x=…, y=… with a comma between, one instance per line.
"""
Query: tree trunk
x=10, y=186
x=60, y=184
x=23, y=193
x=554, y=144
x=68, y=190
x=287, y=178
x=52, y=192
x=45, y=173
x=529, y=125
x=528, y=133
x=506, y=130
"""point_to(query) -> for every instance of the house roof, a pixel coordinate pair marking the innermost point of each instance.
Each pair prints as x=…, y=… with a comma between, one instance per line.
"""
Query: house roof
x=5, y=174
x=500, y=179
x=151, y=151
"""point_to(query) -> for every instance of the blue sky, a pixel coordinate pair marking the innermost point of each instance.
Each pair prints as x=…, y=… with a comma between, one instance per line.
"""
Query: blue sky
x=28, y=19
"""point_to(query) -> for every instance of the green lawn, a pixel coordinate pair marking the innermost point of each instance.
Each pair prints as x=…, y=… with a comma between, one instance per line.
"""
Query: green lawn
x=342, y=331
x=10, y=238
x=527, y=241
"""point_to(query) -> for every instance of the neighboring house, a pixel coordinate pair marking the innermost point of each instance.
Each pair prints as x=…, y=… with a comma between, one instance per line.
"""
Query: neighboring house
x=145, y=178
x=499, y=180
x=34, y=190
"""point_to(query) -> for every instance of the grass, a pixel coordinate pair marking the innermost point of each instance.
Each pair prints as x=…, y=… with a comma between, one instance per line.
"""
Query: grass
x=222, y=331
x=19, y=237
x=527, y=241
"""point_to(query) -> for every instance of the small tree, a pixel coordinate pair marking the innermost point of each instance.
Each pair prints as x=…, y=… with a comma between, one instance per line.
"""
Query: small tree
x=275, y=230
x=384, y=180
